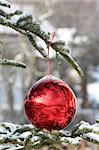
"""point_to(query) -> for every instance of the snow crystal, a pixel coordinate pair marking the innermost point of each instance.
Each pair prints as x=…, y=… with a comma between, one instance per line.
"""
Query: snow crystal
x=40, y=133
x=16, y=148
x=92, y=136
x=4, y=1
x=29, y=125
x=25, y=134
x=10, y=125
x=66, y=133
x=71, y=140
x=94, y=127
x=34, y=138
x=2, y=129
x=1, y=138
x=2, y=147
x=10, y=147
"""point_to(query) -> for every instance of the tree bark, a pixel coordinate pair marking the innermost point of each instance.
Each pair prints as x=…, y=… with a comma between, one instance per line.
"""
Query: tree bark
x=10, y=97
x=84, y=89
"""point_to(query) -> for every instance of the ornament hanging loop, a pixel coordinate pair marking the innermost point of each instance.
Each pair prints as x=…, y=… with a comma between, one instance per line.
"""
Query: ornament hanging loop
x=48, y=61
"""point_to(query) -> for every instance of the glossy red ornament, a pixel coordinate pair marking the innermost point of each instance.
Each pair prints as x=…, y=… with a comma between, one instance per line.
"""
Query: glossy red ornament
x=50, y=104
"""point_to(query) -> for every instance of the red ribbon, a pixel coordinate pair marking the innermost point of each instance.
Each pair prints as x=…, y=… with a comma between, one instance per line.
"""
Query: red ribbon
x=53, y=35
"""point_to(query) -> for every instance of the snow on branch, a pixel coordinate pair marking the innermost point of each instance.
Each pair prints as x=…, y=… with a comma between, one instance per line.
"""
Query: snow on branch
x=4, y=3
x=4, y=61
x=26, y=24
x=27, y=136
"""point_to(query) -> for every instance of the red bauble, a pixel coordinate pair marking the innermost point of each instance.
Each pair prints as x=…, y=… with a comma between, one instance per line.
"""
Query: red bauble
x=50, y=104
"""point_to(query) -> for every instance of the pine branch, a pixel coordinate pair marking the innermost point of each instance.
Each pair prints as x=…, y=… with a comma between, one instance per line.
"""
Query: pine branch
x=4, y=4
x=27, y=26
x=15, y=63
x=11, y=25
x=9, y=15
x=28, y=137
x=64, y=51
x=33, y=42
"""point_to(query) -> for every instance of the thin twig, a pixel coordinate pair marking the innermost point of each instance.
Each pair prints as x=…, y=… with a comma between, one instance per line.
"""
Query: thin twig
x=15, y=63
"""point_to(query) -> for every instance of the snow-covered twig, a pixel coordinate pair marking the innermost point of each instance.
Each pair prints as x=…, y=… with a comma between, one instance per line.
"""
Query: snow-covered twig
x=8, y=62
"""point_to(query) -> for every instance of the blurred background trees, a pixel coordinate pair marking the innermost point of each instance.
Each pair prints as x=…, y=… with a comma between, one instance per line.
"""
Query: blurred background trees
x=77, y=23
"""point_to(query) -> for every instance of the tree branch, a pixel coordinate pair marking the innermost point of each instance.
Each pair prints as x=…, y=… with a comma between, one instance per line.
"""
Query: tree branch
x=65, y=53
x=27, y=26
x=15, y=63
x=4, y=4
x=29, y=137
x=9, y=15
x=33, y=42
